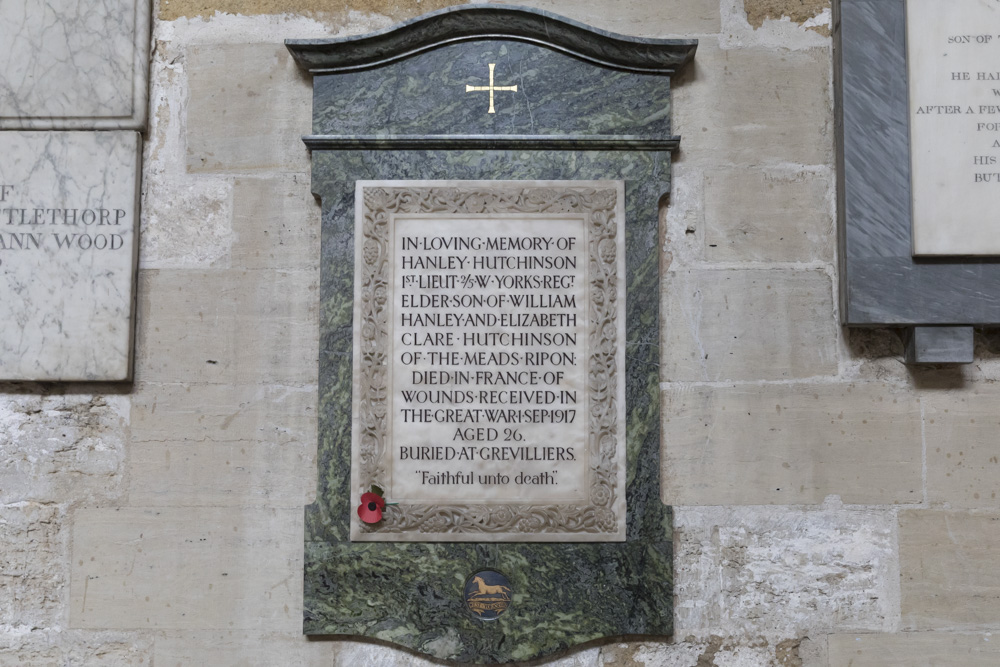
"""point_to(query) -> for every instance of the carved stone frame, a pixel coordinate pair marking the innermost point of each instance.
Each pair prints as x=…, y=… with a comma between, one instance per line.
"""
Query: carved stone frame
x=601, y=518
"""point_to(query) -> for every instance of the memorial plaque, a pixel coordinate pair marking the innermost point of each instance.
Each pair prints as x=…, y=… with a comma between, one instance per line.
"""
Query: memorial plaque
x=490, y=328
x=916, y=141
x=953, y=52
x=490, y=180
x=68, y=217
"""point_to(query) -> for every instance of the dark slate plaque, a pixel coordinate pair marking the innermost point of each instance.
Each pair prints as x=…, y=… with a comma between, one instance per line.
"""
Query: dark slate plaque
x=589, y=106
x=881, y=282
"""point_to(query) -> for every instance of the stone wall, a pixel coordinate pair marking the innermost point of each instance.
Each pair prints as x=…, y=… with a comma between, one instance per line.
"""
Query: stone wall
x=833, y=507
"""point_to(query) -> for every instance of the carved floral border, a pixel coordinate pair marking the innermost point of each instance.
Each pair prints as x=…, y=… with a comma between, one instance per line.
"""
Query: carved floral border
x=597, y=516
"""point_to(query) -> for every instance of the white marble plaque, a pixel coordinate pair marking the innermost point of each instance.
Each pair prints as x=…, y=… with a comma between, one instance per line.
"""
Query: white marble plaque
x=68, y=220
x=489, y=360
x=73, y=64
x=953, y=53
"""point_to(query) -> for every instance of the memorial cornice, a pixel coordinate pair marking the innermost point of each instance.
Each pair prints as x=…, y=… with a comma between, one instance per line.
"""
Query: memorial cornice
x=486, y=21
x=490, y=142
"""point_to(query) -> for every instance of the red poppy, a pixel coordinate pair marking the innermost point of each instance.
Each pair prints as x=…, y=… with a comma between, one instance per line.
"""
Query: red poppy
x=370, y=509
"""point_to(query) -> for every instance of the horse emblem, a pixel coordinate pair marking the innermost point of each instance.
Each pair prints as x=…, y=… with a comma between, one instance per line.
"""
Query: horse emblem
x=486, y=589
x=487, y=594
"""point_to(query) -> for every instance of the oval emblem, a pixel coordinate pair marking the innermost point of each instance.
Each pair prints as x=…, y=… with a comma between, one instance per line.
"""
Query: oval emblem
x=487, y=594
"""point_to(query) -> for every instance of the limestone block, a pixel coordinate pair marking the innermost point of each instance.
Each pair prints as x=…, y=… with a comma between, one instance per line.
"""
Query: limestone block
x=662, y=654
x=65, y=448
x=276, y=224
x=248, y=107
x=186, y=222
x=790, y=443
x=777, y=571
x=684, y=219
x=244, y=649
x=755, y=106
x=241, y=649
x=227, y=326
x=748, y=325
x=717, y=651
x=963, y=462
x=642, y=18
x=767, y=216
x=37, y=647
x=784, y=24
x=32, y=573
x=948, y=570
x=223, y=445
x=186, y=218
x=798, y=11
x=187, y=568
x=911, y=649
x=332, y=13
x=633, y=18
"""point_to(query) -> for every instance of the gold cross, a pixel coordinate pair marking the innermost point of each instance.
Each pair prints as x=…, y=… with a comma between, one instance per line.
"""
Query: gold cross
x=491, y=88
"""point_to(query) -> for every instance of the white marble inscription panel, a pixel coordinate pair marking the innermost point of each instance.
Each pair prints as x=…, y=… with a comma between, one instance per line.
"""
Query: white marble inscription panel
x=69, y=64
x=68, y=220
x=488, y=357
x=489, y=360
x=954, y=77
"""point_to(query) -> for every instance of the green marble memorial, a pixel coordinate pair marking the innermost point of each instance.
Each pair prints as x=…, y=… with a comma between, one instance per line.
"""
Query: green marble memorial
x=588, y=106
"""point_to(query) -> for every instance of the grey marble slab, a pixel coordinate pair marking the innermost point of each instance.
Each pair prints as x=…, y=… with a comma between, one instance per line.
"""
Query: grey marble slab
x=74, y=64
